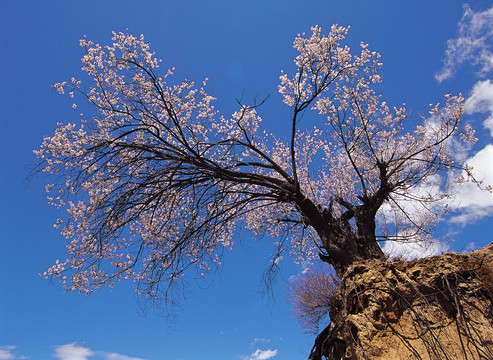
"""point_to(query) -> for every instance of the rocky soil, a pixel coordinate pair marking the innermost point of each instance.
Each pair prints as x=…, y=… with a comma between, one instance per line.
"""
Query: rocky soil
x=433, y=308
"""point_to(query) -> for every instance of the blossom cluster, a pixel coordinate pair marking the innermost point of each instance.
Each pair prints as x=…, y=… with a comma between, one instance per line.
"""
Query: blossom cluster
x=156, y=184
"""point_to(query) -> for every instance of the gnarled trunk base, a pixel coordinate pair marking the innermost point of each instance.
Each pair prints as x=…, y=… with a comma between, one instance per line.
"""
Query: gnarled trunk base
x=433, y=308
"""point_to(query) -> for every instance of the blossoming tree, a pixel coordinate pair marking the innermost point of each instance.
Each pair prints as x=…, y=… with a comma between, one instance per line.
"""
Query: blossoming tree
x=157, y=182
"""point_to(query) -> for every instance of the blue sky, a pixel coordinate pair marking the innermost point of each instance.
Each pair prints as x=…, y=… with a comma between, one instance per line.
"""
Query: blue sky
x=428, y=48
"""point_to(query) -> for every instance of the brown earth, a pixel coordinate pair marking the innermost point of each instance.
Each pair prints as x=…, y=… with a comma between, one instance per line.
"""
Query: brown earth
x=433, y=308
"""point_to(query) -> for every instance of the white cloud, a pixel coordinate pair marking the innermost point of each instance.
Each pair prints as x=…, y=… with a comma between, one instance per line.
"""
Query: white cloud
x=472, y=202
x=261, y=355
x=115, y=356
x=470, y=247
x=412, y=250
x=7, y=353
x=472, y=44
x=481, y=100
x=75, y=352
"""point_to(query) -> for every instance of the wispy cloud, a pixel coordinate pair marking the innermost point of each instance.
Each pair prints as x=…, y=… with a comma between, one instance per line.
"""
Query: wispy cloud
x=7, y=353
x=115, y=356
x=76, y=352
x=473, y=43
x=259, y=340
x=261, y=355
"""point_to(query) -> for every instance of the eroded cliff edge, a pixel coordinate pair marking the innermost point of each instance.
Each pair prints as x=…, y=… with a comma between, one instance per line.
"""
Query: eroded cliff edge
x=433, y=308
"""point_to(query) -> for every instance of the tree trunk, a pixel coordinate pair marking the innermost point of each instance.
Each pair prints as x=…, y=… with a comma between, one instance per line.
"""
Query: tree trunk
x=342, y=244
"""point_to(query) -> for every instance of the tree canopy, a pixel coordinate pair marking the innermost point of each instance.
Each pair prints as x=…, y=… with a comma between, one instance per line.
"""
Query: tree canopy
x=158, y=182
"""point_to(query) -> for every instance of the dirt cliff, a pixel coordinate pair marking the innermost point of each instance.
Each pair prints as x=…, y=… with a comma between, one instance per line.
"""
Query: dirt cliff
x=433, y=308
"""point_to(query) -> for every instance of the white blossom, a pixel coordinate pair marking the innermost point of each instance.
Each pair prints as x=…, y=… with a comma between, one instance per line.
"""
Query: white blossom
x=158, y=184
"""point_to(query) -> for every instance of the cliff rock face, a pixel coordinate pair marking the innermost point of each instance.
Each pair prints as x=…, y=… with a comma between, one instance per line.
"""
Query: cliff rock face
x=433, y=308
